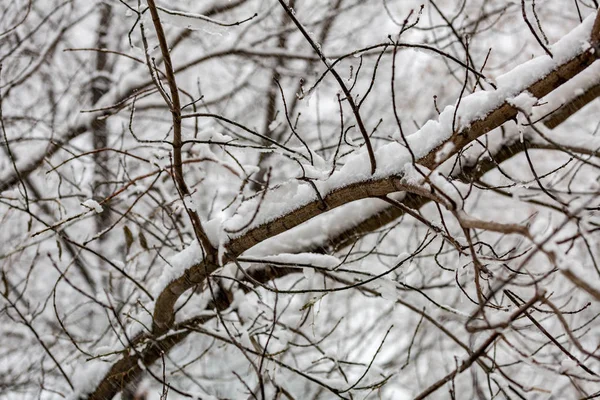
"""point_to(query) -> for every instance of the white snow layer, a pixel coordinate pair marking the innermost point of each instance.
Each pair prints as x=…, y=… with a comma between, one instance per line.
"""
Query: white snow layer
x=524, y=102
x=392, y=157
x=185, y=259
x=92, y=205
x=303, y=259
x=391, y=160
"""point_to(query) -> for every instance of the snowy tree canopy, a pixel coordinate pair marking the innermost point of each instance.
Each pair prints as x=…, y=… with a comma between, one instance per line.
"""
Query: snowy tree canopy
x=284, y=199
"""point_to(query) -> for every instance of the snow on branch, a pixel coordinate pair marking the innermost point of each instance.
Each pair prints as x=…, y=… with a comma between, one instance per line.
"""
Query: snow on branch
x=267, y=215
x=478, y=114
x=264, y=217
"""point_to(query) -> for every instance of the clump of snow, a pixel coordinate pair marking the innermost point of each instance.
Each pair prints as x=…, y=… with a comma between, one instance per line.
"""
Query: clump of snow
x=318, y=169
x=287, y=191
x=247, y=305
x=524, y=102
x=86, y=377
x=444, y=152
x=92, y=205
x=308, y=272
x=185, y=259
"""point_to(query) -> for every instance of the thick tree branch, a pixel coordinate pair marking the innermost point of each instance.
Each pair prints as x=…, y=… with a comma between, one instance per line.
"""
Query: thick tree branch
x=163, y=313
x=128, y=367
